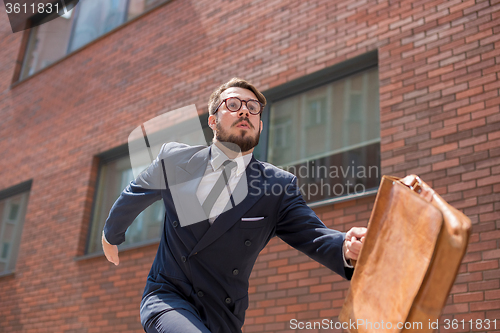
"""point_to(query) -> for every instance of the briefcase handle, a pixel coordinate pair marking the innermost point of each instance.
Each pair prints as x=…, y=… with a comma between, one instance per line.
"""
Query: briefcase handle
x=414, y=183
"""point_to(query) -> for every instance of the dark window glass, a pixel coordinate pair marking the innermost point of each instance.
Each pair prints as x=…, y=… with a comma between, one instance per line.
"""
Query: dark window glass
x=89, y=20
x=48, y=43
x=95, y=18
x=12, y=212
x=329, y=137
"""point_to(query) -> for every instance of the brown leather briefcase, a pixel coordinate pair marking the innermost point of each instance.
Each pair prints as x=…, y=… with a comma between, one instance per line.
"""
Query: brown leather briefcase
x=410, y=257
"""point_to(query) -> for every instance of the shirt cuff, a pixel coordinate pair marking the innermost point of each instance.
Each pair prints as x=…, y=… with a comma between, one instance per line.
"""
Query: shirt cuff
x=346, y=264
x=104, y=237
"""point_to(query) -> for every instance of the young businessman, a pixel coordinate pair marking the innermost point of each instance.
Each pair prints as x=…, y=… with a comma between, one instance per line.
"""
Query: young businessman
x=199, y=279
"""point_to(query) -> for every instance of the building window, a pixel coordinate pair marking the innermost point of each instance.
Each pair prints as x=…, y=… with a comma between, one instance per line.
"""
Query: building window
x=95, y=18
x=327, y=135
x=48, y=43
x=12, y=212
x=89, y=20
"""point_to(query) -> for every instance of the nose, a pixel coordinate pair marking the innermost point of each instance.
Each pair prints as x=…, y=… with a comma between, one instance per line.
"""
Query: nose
x=243, y=112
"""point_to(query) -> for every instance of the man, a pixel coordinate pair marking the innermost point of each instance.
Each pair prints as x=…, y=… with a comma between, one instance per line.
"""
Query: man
x=199, y=279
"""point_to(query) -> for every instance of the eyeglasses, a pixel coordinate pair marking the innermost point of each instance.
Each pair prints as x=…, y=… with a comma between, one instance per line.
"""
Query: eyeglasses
x=234, y=104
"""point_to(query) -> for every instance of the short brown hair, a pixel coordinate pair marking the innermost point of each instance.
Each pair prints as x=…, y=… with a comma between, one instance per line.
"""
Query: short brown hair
x=214, y=100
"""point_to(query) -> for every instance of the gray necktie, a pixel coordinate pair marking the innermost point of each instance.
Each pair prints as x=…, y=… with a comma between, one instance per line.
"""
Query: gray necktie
x=222, y=182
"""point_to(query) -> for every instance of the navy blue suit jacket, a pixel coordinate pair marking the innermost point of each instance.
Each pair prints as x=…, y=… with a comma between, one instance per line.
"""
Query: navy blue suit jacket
x=205, y=269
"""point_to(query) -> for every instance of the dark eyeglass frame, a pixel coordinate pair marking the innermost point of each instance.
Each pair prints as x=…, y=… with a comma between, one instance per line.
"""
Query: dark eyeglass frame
x=241, y=104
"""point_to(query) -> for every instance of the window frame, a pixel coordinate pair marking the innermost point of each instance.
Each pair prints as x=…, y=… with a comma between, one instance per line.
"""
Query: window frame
x=27, y=35
x=26, y=46
x=309, y=82
x=10, y=192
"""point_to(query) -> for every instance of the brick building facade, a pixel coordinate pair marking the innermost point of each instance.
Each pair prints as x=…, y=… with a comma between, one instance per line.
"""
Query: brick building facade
x=438, y=81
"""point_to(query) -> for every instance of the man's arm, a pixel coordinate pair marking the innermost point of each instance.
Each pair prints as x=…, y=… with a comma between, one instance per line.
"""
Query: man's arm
x=132, y=201
x=137, y=196
x=300, y=227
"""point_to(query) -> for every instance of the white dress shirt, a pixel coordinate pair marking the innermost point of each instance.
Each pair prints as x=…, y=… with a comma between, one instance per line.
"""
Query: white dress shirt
x=213, y=172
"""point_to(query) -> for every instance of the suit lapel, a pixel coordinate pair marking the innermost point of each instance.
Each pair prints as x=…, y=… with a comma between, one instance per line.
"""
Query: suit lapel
x=187, y=178
x=253, y=181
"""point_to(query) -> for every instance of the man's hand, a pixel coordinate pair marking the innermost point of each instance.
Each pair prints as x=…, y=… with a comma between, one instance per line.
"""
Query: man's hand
x=353, y=243
x=110, y=251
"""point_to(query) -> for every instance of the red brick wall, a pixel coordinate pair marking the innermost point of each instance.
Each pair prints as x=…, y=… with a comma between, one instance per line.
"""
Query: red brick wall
x=439, y=63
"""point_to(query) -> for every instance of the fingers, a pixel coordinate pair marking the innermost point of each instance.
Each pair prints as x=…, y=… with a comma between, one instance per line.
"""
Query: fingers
x=357, y=232
x=354, y=242
x=113, y=258
x=353, y=248
x=111, y=253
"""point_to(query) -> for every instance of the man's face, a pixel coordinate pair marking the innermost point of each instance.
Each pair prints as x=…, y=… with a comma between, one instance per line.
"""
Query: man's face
x=241, y=127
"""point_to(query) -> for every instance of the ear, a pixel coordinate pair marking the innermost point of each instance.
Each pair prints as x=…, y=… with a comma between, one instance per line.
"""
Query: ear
x=212, y=121
x=261, y=126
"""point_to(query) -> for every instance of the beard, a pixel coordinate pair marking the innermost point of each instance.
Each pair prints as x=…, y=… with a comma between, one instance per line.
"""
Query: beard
x=243, y=142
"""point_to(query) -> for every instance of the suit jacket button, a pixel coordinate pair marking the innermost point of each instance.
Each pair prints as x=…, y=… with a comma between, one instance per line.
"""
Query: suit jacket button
x=175, y=224
x=248, y=242
x=200, y=293
x=183, y=259
x=235, y=272
x=228, y=300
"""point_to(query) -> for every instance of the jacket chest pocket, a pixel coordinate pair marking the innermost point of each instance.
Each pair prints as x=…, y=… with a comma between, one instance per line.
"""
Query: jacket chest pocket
x=253, y=222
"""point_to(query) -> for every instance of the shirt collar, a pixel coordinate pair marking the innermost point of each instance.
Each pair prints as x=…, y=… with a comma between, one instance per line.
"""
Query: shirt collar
x=218, y=157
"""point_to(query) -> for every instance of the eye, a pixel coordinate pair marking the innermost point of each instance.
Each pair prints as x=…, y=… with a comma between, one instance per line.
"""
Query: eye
x=233, y=104
x=253, y=106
